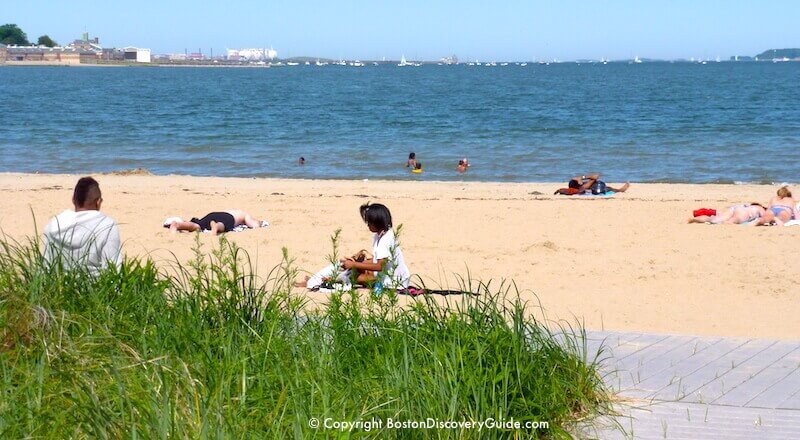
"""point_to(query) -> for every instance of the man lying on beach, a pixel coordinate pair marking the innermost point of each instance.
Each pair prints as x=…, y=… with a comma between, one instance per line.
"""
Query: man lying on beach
x=216, y=222
x=589, y=182
x=83, y=236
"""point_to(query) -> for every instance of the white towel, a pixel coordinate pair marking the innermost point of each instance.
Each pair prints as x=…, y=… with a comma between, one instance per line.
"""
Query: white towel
x=169, y=220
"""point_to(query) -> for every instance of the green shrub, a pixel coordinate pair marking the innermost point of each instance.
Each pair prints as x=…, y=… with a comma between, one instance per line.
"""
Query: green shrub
x=211, y=350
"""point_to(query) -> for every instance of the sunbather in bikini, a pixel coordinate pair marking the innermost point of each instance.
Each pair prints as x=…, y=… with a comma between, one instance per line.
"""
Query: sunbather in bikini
x=783, y=206
x=754, y=214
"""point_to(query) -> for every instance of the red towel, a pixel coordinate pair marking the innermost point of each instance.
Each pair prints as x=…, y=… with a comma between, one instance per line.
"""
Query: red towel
x=704, y=211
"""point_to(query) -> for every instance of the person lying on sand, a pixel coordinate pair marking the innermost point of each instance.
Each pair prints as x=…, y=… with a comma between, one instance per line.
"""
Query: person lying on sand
x=589, y=182
x=783, y=206
x=216, y=222
x=754, y=214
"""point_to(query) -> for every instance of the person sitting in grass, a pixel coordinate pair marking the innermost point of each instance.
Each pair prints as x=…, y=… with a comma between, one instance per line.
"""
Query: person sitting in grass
x=84, y=236
x=387, y=265
x=216, y=222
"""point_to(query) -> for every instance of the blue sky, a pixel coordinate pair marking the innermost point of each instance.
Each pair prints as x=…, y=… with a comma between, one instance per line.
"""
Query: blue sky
x=485, y=30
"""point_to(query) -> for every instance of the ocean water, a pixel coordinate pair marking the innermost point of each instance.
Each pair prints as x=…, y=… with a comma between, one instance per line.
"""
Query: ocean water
x=650, y=122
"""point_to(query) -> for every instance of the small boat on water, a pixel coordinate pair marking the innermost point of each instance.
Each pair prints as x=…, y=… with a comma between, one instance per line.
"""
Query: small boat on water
x=403, y=62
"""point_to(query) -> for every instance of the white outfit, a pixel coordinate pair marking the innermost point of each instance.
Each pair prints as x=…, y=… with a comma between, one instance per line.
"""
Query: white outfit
x=334, y=271
x=88, y=238
x=397, y=275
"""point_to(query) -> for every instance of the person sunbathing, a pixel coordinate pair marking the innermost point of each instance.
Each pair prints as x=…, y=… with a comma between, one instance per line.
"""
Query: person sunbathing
x=753, y=214
x=216, y=222
x=590, y=183
x=783, y=206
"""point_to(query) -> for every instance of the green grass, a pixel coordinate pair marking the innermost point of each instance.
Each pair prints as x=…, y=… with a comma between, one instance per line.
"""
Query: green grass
x=210, y=350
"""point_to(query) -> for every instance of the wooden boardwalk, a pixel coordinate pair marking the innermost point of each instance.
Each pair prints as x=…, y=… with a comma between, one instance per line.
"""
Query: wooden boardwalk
x=685, y=387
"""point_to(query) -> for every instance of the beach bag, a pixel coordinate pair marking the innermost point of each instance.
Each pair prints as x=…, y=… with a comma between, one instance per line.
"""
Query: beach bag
x=599, y=187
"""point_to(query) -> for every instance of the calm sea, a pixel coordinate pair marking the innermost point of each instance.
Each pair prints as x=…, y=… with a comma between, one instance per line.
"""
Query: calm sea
x=651, y=122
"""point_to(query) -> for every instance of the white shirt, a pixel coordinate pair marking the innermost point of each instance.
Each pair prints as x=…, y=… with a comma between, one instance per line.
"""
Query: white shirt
x=88, y=238
x=396, y=272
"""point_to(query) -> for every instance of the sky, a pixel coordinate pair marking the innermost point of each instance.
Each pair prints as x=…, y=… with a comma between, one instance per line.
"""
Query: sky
x=511, y=30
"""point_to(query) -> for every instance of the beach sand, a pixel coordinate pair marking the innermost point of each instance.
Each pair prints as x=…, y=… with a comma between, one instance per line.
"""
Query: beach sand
x=630, y=263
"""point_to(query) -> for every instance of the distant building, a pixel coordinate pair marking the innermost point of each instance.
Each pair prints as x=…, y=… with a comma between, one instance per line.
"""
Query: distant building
x=112, y=54
x=86, y=44
x=49, y=55
x=136, y=54
x=254, y=54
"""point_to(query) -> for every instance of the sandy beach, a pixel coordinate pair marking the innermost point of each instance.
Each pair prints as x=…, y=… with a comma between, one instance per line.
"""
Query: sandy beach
x=627, y=263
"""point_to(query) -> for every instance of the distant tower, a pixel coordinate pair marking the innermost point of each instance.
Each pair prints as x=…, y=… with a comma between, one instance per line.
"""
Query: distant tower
x=85, y=36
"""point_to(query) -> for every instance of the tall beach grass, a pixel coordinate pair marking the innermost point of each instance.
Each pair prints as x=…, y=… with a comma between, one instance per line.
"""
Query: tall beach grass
x=209, y=349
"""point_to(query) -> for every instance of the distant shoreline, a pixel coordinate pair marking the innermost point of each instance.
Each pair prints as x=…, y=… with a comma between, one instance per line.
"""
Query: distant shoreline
x=143, y=172
x=9, y=63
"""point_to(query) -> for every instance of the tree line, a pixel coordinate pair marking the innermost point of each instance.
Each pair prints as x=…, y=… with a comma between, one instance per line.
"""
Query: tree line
x=11, y=34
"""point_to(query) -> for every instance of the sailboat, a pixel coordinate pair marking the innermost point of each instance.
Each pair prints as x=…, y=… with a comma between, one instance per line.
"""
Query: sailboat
x=403, y=62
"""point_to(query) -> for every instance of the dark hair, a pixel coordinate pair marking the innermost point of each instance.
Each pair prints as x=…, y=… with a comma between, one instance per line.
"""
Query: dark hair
x=302, y=158
x=412, y=155
x=376, y=215
x=574, y=184
x=758, y=204
x=87, y=190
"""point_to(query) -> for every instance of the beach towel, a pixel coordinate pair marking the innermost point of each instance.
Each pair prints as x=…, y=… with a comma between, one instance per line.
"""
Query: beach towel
x=704, y=211
x=417, y=291
x=240, y=228
x=605, y=195
x=586, y=195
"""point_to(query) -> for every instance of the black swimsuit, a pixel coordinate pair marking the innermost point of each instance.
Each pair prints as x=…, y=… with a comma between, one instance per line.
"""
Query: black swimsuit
x=225, y=218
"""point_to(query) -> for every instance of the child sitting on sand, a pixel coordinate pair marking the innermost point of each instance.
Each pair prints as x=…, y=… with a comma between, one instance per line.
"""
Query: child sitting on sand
x=387, y=265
